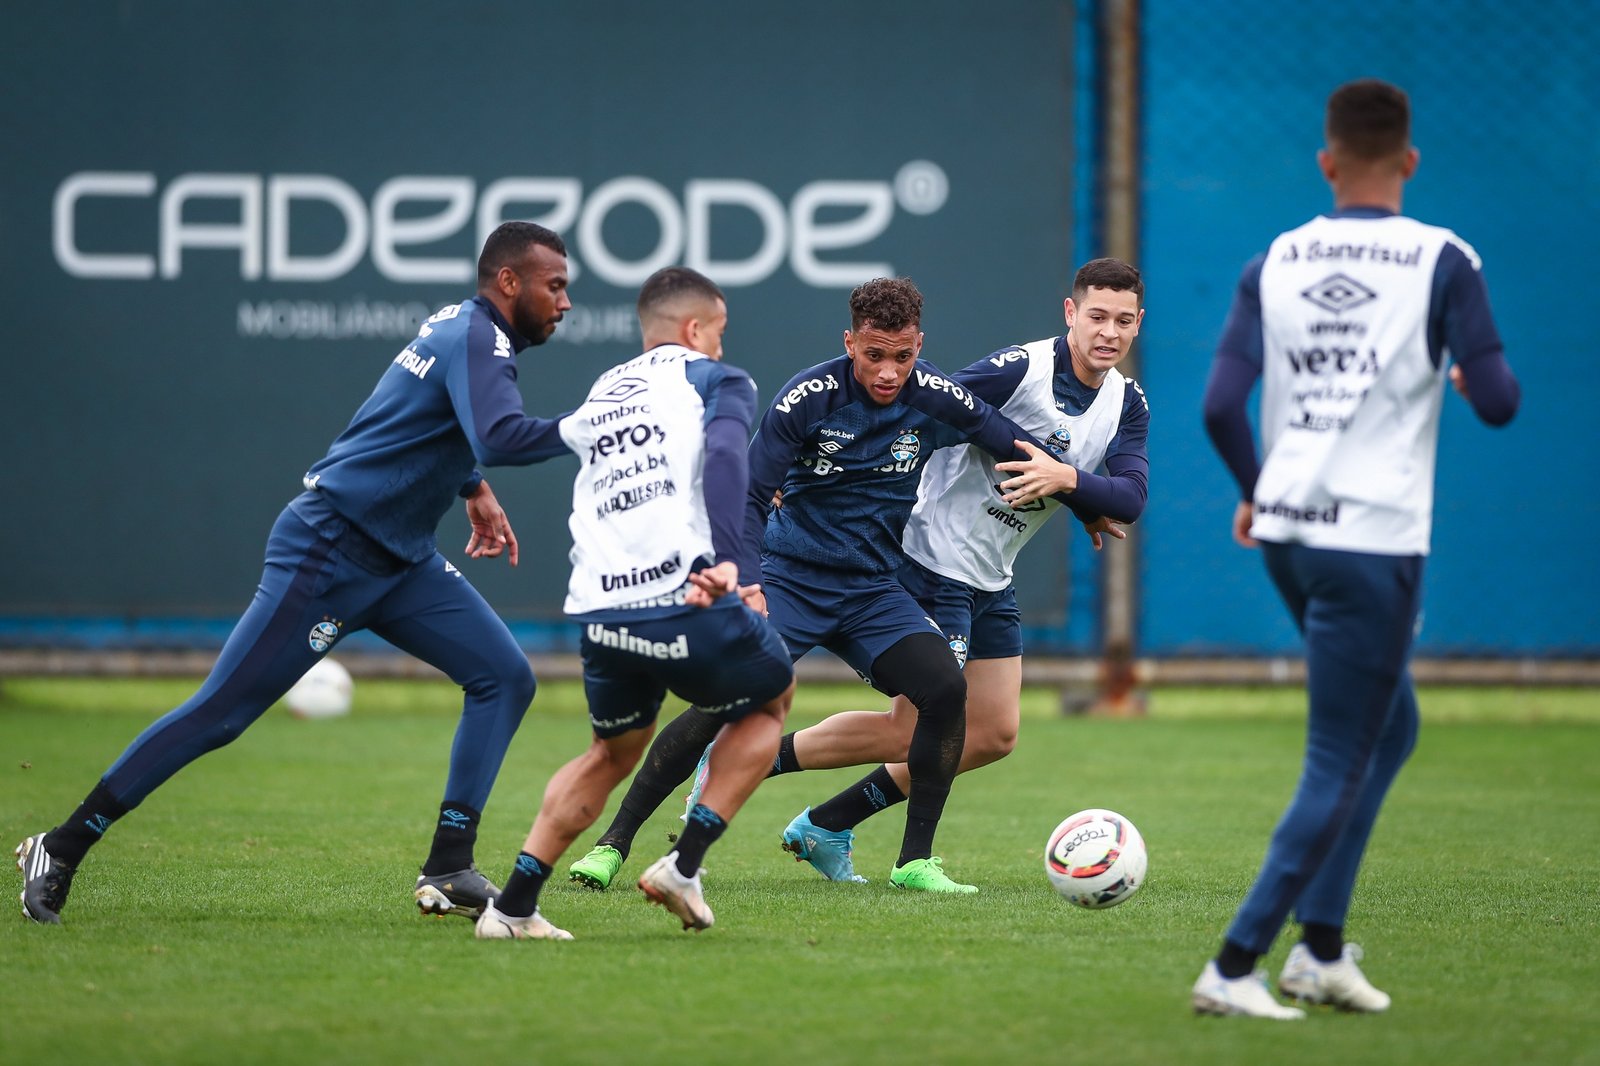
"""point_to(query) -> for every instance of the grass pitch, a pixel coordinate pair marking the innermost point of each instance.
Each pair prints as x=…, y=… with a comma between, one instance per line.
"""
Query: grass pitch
x=257, y=909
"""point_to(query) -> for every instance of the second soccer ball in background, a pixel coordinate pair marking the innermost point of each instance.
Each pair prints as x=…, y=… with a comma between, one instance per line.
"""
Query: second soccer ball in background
x=323, y=692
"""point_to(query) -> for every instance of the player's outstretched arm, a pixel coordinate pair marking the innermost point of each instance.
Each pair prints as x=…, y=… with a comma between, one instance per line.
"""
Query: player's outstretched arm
x=483, y=390
x=1120, y=494
x=492, y=535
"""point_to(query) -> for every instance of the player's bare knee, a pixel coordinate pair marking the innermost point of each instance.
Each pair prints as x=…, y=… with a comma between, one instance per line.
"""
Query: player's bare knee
x=777, y=708
x=612, y=759
x=902, y=724
x=901, y=719
x=992, y=745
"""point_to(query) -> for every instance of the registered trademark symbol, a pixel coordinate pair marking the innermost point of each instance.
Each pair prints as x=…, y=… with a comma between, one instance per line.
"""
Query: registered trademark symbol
x=921, y=187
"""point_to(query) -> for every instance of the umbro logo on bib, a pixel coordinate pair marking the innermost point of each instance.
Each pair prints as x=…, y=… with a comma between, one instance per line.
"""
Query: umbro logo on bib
x=1339, y=293
x=618, y=391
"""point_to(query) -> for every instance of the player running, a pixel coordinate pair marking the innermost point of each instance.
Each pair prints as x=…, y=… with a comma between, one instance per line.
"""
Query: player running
x=962, y=541
x=357, y=550
x=659, y=542
x=845, y=444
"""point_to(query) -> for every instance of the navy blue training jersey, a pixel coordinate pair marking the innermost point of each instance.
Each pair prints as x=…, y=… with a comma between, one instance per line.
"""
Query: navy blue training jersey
x=849, y=466
x=447, y=402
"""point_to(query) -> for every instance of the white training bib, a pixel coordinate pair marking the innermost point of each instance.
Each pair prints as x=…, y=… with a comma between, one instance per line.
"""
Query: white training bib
x=638, y=524
x=1350, y=398
x=960, y=527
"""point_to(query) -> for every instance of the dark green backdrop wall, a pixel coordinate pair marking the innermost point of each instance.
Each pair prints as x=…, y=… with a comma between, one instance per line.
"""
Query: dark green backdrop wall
x=222, y=221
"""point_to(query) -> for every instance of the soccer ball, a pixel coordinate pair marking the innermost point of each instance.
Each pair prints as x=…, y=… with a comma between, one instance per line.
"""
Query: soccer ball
x=324, y=691
x=1095, y=858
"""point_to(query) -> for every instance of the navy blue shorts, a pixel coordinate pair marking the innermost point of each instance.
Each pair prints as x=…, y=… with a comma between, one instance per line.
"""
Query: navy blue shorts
x=978, y=624
x=857, y=623
x=727, y=661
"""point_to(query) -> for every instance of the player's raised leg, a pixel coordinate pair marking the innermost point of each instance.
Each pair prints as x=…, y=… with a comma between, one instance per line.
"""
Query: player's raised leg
x=669, y=763
x=750, y=688
x=994, y=689
x=573, y=799
x=739, y=762
x=984, y=630
x=265, y=654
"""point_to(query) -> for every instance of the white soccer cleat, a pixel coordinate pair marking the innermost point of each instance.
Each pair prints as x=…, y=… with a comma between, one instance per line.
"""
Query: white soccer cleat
x=1243, y=996
x=1339, y=983
x=492, y=925
x=679, y=894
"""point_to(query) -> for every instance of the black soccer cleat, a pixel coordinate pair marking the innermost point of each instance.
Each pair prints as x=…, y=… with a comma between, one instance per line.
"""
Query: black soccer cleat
x=462, y=892
x=45, y=882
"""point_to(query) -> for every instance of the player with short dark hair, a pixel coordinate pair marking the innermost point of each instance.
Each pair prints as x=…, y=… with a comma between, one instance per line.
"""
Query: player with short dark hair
x=1352, y=322
x=892, y=305
x=357, y=550
x=962, y=539
x=659, y=543
x=844, y=444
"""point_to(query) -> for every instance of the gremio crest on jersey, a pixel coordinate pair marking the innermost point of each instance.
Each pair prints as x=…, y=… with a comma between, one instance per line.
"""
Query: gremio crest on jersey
x=958, y=647
x=1056, y=444
x=905, y=447
x=322, y=636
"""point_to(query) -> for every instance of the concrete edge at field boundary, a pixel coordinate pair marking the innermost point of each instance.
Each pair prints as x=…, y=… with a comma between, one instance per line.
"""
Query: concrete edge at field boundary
x=1063, y=673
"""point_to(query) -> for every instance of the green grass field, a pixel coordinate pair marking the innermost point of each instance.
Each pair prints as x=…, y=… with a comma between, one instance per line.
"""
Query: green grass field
x=257, y=909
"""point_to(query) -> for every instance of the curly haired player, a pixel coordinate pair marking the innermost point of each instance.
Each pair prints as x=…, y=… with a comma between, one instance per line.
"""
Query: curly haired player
x=845, y=444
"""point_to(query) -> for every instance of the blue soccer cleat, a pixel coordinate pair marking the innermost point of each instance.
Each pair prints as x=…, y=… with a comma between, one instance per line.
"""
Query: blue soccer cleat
x=826, y=849
x=701, y=769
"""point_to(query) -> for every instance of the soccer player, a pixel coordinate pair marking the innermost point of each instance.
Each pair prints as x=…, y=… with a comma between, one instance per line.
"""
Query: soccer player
x=1350, y=321
x=357, y=550
x=659, y=544
x=844, y=444
x=962, y=540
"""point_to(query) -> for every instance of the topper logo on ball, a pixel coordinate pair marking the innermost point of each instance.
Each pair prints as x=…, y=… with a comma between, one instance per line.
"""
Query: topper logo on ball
x=1095, y=859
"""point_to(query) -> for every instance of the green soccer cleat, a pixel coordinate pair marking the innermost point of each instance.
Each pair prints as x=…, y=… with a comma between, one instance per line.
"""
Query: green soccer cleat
x=927, y=875
x=597, y=869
